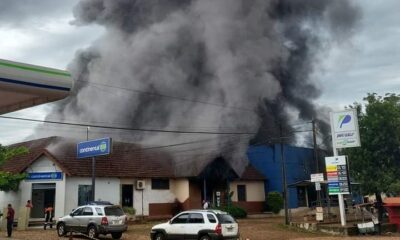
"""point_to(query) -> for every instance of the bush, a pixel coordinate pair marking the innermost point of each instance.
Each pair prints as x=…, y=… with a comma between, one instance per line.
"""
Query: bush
x=236, y=212
x=274, y=202
x=129, y=210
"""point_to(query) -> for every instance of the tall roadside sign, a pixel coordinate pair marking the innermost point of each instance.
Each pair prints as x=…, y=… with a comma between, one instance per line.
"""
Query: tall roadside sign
x=337, y=174
x=93, y=148
x=345, y=134
x=344, y=127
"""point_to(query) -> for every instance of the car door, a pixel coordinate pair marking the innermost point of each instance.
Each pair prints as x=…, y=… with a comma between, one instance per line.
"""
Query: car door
x=195, y=224
x=85, y=218
x=72, y=223
x=176, y=229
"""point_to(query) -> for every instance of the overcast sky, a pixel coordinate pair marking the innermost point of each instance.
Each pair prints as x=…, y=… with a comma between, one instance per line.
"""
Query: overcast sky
x=40, y=32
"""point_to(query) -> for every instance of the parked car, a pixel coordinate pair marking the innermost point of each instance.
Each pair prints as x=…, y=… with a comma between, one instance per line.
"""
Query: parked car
x=197, y=224
x=94, y=220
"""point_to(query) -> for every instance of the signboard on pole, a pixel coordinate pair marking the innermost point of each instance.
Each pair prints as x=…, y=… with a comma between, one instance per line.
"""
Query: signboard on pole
x=338, y=177
x=94, y=148
x=317, y=177
x=345, y=131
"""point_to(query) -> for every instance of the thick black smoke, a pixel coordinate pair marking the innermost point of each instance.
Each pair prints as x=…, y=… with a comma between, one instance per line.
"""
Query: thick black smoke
x=204, y=65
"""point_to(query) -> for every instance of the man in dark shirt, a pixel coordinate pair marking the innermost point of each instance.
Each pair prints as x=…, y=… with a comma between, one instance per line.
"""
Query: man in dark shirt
x=10, y=219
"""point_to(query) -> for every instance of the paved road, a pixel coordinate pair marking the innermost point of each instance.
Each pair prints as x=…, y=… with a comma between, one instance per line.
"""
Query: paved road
x=252, y=229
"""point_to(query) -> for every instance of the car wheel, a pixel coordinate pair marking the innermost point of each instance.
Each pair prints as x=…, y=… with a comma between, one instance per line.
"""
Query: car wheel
x=61, y=229
x=92, y=232
x=116, y=235
x=205, y=237
x=159, y=236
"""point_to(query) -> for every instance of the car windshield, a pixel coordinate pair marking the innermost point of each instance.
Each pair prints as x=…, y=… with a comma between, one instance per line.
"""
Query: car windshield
x=113, y=211
x=225, y=218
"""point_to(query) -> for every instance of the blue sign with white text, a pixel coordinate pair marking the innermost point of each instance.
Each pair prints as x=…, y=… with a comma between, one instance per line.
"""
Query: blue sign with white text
x=94, y=148
x=44, y=176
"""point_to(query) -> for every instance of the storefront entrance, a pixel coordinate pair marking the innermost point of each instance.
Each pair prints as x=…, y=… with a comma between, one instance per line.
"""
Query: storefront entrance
x=43, y=195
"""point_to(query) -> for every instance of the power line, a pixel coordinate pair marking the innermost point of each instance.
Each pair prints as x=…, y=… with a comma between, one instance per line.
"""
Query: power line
x=129, y=129
x=168, y=96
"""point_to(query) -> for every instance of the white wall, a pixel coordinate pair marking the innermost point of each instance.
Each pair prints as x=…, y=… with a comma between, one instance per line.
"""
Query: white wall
x=180, y=188
x=254, y=190
x=151, y=196
x=107, y=189
x=43, y=164
x=10, y=197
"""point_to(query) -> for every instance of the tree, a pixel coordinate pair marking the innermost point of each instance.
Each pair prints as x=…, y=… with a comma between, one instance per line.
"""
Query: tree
x=10, y=181
x=376, y=163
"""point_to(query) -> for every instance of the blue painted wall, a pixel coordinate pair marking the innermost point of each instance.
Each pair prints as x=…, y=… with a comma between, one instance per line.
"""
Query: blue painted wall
x=267, y=160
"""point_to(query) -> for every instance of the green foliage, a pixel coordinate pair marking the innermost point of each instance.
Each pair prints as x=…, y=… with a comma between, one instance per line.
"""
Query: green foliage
x=235, y=211
x=129, y=210
x=9, y=181
x=274, y=202
x=394, y=188
x=376, y=163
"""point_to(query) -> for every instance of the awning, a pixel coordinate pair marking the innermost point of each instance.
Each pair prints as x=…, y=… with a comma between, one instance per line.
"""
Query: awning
x=25, y=85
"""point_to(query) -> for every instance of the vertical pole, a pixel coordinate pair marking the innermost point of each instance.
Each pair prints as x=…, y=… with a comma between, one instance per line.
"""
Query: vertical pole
x=283, y=165
x=142, y=205
x=340, y=198
x=315, y=146
x=93, y=168
x=204, y=189
x=93, y=178
x=316, y=160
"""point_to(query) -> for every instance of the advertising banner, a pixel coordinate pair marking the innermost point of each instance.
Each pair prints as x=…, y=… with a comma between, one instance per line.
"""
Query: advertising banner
x=94, y=148
x=337, y=174
x=344, y=126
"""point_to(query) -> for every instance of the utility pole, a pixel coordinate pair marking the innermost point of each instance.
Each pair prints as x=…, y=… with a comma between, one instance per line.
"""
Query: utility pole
x=315, y=146
x=93, y=168
x=283, y=165
x=316, y=160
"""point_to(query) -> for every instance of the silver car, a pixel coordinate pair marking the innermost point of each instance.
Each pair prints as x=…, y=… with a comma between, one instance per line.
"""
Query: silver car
x=94, y=220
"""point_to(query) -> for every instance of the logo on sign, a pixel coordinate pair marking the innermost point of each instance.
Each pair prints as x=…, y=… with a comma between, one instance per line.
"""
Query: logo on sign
x=103, y=146
x=343, y=119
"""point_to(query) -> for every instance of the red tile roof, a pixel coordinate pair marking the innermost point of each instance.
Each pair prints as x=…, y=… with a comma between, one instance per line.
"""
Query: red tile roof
x=126, y=159
x=250, y=173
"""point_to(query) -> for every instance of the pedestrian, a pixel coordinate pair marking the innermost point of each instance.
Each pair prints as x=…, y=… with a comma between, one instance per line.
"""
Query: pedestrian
x=10, y=219
x=29, y=204
x=205, y=204
x=48, y=215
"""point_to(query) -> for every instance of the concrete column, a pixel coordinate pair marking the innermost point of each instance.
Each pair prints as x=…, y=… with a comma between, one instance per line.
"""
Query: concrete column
x=4, y=219
x=23, y=218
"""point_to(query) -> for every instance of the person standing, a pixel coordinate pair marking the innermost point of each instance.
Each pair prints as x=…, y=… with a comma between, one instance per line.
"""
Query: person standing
x=48, y=215
x=10, y=219
x=205, y=204
x=29, y=204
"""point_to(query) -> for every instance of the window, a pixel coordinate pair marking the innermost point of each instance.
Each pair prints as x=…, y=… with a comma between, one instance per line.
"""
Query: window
x=84, y=194
x=113, y=211
x=196, y=218
x=181, y=219
x=241, y=191
x=78, y=212
x=226, y=218
x=99, y=212
x=211, y=218
x=158, y=183
x=87, y=211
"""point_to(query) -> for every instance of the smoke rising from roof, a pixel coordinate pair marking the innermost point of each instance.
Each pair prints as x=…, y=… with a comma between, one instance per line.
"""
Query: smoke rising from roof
x=238, y=54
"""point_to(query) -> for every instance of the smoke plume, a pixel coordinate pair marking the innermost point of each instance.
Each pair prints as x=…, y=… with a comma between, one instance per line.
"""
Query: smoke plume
x=203, y=65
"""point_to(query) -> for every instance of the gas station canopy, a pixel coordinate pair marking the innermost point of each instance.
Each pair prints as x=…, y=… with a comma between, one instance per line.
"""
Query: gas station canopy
x=24, y=85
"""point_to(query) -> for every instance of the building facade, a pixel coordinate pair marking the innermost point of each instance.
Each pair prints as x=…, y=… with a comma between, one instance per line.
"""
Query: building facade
x=129, y=177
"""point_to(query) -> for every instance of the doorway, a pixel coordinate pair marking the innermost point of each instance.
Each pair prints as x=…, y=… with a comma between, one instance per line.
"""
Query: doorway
x=43, y=195
x=127, y=195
